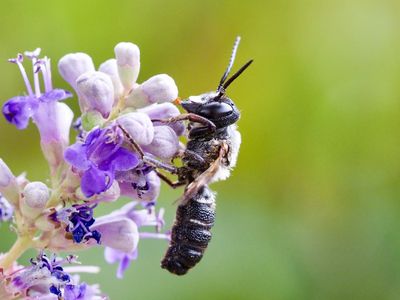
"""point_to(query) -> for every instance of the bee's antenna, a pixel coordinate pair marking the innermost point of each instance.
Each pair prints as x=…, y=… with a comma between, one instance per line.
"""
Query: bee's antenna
x=236, y=75
x=231, y=60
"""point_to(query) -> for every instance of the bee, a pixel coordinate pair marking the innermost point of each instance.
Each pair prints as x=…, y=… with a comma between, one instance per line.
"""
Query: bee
x=211, y=152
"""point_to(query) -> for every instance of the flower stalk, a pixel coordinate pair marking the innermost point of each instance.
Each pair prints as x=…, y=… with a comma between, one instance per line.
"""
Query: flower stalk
x=22, y=244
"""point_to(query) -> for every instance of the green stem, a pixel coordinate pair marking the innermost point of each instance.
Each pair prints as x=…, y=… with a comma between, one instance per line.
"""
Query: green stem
x=22, y=244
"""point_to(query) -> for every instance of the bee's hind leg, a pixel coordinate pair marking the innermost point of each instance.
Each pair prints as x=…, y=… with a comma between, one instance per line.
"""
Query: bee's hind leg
x=146, y=158
x=172, y=184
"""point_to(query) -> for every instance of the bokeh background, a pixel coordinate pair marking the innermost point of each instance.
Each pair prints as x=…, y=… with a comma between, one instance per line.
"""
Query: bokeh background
x=312, y=210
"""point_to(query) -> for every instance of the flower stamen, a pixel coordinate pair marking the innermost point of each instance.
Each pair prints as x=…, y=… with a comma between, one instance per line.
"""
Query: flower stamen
x=19, y=61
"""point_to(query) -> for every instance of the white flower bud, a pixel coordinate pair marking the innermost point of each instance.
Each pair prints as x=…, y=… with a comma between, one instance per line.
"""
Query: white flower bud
x=128, y=61
x=5, y=174
x=97, y=92
x=110, y=68
x=165, y=110
x=8, y=184
x=157, y=89
x=139, y=127
x=73, y=65
x=165, y=143
x=35, y=197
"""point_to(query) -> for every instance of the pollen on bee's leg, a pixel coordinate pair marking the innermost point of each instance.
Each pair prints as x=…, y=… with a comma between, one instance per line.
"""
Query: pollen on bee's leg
x=177, y=101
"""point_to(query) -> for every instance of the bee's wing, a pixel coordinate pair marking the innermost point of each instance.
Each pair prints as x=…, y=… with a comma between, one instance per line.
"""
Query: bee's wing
x=204, y=177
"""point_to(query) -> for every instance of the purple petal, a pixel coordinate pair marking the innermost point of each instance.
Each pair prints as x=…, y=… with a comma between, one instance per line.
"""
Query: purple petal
x=76, y=156
x=19, y=109
x=55, y=95
x=123, y=265
x=121, y=160
x=95, y=181
x=75, y=292
x=112, y=256
x=93, y=135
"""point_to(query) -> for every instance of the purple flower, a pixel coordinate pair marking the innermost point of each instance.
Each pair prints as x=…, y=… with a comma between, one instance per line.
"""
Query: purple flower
x=6, y=210
x=141, y=217
x=79, y=219
x=53, y=119
x=81, y=291
x=142, y=184
x=99, y=157
x=18, y=110
x=46, y=278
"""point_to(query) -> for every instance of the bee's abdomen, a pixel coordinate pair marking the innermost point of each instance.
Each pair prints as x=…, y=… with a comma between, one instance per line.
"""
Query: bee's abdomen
x=191, y=232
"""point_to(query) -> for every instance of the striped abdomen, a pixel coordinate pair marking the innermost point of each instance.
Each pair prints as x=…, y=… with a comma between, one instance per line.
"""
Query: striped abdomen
x=190, y=233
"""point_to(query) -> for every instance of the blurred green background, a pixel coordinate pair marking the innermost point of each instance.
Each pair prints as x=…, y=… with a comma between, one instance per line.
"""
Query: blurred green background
x=312, y=210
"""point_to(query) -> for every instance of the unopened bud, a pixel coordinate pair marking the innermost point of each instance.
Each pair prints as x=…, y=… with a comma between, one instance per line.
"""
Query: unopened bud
x=157, y=89
x=35, y=197
x=8, y=183
x=165, y=110
x=97, y=91
x=165, y=143
x=128, y=61
x=73, y=65
x=139, y=127
x=5, y=174
x=110, y=68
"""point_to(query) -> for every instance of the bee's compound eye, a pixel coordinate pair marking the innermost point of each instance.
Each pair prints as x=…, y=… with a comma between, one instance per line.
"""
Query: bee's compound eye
x=215, y=110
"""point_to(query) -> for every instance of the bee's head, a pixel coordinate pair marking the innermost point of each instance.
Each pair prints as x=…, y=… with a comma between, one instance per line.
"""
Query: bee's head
x=216, y=106
x=219, y=110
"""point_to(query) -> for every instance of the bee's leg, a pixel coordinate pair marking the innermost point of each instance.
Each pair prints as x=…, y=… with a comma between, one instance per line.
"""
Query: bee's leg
x=159, y=164
x=147, y=159
x=136, y=147
x=190, y=117
x=173, y=184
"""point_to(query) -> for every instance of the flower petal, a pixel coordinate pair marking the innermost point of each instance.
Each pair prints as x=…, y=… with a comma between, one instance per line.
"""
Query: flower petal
x=76, y=156
x=55, y=95
x=147, y=192
x=94, y=181
x=118, y=233
x=19, y=109
x=121, y=160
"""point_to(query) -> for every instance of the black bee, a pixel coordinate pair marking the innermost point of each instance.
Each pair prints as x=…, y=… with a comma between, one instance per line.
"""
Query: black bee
x=210, y=154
